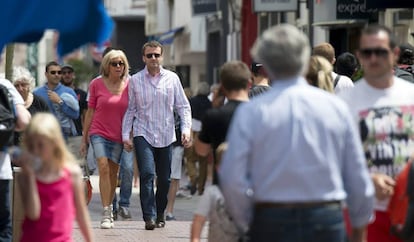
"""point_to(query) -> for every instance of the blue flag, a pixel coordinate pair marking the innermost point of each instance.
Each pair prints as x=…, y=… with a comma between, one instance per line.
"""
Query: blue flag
x=77, y=21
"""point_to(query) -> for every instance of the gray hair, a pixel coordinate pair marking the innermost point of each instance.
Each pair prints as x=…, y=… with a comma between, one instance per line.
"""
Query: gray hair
x=203, y=88
x=284, y=51
x=20, y=73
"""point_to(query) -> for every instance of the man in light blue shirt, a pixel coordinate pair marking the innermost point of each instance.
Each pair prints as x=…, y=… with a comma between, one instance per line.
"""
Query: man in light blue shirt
x=294, y=154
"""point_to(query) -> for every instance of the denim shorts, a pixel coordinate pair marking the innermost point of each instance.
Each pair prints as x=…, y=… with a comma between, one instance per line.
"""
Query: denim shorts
x=106, y=148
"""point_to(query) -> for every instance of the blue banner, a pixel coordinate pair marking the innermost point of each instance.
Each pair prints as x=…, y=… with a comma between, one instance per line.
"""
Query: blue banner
x=77, y=21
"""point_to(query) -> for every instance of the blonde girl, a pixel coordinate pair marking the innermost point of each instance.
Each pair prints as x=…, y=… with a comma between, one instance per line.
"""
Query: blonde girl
x=50, y=183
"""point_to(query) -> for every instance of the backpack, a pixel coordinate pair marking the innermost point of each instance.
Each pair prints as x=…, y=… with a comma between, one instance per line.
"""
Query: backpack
x=401, y=206
x=336, y=80
x=7, y=118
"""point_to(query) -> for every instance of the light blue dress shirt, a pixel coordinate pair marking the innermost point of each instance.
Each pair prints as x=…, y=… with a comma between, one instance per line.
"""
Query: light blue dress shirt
x=295, y=143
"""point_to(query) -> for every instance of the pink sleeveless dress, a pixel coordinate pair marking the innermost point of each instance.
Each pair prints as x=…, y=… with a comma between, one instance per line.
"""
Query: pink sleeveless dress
x=57, y=212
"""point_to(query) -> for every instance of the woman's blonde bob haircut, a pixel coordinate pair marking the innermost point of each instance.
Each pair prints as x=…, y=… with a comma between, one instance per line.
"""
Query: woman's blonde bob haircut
x=106, y=61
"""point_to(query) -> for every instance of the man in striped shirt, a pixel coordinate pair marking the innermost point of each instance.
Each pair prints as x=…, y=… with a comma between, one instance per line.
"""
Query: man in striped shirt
x=154, y=93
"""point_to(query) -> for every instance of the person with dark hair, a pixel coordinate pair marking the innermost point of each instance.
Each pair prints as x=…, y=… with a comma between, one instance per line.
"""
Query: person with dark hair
x=234, y=79
x=346, y=64
x=62, y=100
x=259, y=79
x=154, y=94
x=405, y=68
x=199, y=106
x=374, y=102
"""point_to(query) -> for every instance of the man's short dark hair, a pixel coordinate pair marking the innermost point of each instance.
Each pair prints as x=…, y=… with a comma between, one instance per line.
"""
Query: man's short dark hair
x=234, y=75
x=154, y=44
x=346, y=64
x=375, y=29
x=51, y=63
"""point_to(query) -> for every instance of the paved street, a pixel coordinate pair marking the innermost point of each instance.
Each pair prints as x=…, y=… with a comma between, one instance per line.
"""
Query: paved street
x=174, y=231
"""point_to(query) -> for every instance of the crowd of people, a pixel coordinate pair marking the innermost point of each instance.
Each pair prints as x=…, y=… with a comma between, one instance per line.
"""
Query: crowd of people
x=305, y=144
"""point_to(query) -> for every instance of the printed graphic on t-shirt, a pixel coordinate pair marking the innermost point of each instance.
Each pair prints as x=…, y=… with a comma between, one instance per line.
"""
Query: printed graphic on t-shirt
x=387, y=134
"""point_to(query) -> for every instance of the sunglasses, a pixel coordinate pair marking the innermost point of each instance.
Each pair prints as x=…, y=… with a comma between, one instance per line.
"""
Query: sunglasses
x=67, y=72
x=55, y=72
x=149, y=56
x=115, y=64
x=380, y=52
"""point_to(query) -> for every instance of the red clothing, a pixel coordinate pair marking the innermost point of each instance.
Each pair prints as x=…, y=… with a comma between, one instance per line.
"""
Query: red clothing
x=109, y=110
x=57, y=212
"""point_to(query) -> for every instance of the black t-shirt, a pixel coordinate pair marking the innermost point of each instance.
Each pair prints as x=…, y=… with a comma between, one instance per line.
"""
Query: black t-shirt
x=38, y=105
x=83, y=105
x=216, y=123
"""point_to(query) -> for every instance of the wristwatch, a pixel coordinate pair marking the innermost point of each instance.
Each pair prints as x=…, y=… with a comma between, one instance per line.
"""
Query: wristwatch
x=60, y=102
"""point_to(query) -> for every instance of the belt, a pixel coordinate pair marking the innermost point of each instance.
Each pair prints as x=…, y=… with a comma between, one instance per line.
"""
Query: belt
x=261, y=205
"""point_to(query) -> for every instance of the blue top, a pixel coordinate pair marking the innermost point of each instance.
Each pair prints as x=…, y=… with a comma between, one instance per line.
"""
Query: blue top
x=68, y=110
x=295, y=143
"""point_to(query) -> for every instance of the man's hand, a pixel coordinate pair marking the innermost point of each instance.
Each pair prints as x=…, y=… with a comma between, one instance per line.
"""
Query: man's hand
x=53, y=96
x=186, y=140
x=128, y=145
x=384, y=186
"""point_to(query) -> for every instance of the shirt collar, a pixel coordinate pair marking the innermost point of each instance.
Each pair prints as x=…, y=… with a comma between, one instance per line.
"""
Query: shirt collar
x=298, y=80
x=162, y=71
x=47, y=87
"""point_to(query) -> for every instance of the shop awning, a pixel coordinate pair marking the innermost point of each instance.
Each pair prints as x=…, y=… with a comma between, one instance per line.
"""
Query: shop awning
x=167, y=38
x=337, y=23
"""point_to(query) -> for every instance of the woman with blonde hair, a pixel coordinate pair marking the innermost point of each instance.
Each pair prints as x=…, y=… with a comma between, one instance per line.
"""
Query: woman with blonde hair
x=107, y=103
x=320, y=73
x=50, y=184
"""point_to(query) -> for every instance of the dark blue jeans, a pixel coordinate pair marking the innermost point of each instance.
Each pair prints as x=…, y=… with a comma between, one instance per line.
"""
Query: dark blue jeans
x=5, y=218
x=126, y=174
x=316, y=224
x=153, y=162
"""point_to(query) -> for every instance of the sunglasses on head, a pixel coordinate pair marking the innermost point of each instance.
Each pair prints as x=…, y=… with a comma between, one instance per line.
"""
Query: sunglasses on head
x=150, y=55
x=56, y=72
x=368, y=52
x=115, y=64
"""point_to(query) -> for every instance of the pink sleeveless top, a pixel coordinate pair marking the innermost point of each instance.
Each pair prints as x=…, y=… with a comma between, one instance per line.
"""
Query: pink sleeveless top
x=57, y=212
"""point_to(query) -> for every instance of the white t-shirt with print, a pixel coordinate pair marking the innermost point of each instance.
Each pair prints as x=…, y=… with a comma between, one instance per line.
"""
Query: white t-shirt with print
x=385, y=118
x=5, y=165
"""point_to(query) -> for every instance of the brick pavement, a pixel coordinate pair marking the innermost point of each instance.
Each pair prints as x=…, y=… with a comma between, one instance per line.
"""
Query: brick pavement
x=174, y=231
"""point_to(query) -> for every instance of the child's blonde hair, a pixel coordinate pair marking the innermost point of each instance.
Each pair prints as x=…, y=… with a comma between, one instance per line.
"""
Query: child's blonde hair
x=45, y=124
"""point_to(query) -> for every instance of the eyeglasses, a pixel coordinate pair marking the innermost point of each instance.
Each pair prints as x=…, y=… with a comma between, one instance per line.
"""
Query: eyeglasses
x=66, y=72
x=56, y=72
x=150, y=55
x=368, y=52
x=115, y=64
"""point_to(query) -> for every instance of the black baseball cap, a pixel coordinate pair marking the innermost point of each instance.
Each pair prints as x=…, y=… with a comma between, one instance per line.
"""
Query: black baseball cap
x=255, y=67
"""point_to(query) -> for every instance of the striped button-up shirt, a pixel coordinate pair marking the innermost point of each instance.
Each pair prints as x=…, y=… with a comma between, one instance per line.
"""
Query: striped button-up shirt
x=152, y=101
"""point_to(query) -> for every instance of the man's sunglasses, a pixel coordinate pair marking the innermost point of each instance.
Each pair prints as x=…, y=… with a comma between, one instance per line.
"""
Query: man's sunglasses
x=380, y=52
x=149, y=56
x=66, y=72
x=115, y=64
x=55, y=72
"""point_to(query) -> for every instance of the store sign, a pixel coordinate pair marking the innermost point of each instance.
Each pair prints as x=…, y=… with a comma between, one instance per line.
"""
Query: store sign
x=390, y=3
x=354, y=9
x=202, y=7
x=275, y=5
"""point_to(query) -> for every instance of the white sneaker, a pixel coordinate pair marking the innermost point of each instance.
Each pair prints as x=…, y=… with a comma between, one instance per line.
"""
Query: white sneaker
x=107, y=221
